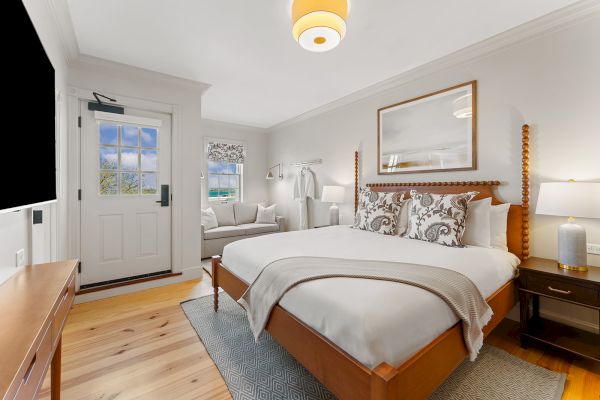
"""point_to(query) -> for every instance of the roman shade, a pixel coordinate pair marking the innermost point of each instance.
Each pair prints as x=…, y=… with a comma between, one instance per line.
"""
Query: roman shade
x=226, y=152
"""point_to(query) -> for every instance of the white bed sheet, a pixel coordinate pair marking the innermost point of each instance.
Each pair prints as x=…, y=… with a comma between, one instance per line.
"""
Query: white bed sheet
x=373, y=321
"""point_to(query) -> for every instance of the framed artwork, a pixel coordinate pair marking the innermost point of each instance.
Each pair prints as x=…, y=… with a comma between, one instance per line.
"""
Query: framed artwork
x=431, y=133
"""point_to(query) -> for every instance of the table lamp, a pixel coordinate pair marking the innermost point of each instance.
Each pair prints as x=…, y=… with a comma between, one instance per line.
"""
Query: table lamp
x=333, y=194
x=570, y=199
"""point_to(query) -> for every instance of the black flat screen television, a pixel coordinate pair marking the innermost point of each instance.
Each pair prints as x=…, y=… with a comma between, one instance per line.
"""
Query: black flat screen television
x=29, y=161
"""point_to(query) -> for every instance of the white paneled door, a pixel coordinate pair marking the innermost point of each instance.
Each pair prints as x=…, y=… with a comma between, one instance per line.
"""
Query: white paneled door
x=125, y=194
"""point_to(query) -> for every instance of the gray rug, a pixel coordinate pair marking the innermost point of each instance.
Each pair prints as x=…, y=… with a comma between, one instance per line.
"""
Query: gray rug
x=267, y=371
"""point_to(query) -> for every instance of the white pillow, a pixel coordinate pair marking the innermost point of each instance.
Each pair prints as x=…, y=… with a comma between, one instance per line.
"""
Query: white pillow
x=209, y=219
x=498, y=226
x=477, y=230
x=403, y=217
x=265, y=215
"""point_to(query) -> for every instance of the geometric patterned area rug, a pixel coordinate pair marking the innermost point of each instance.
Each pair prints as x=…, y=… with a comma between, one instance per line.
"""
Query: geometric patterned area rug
x=265, y=370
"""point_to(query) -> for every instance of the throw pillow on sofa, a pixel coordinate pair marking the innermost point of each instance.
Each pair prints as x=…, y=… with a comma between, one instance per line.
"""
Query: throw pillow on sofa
x=245, y=213
x=265, y=215
x=209, y=219
x=225, y=215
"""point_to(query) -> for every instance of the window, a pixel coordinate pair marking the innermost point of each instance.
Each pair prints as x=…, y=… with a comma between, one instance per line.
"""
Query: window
x=224, y=181
x=128, y=160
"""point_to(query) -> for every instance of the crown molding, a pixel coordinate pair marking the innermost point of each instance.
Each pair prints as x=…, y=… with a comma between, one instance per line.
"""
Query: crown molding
x=62, y=18
x=226, y=124
x=74, y=57
x=87, y=62
x=531, y=30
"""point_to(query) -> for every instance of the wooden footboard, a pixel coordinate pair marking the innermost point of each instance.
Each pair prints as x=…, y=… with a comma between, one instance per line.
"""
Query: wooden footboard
x=346, y=377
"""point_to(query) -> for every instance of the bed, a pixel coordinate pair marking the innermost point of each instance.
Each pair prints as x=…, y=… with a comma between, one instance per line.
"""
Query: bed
x=367, y=339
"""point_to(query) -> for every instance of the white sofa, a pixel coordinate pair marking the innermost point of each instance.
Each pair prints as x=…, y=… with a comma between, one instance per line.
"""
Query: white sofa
x=236, y=221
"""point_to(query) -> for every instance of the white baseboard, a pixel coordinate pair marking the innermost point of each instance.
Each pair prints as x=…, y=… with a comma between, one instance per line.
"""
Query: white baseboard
x=186, y=275
x=575, y=322
x=563, y=318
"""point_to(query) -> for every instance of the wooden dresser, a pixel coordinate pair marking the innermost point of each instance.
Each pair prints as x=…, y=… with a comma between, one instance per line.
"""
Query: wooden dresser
x=34, y=305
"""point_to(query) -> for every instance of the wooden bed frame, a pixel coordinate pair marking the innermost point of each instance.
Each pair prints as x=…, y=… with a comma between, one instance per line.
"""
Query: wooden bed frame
x=420, y=375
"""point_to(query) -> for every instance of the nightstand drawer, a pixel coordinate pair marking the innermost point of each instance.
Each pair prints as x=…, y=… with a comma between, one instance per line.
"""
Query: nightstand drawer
x=561, y=288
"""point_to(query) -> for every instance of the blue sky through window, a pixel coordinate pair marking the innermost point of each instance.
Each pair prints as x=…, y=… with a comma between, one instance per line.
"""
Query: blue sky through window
x=109, y=134
x=109, y=158
x=129, y=136
x=149, y=137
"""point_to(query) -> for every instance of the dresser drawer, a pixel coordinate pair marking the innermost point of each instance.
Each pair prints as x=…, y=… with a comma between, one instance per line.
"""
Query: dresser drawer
x=561, y=288
x=62, y=310
x=33, y=376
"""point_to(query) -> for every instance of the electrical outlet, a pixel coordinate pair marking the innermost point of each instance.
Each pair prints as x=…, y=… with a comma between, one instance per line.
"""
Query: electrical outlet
x=20, y=258
x=593, y=248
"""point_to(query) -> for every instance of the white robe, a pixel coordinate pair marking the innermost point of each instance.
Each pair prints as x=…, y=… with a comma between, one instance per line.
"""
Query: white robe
x=304, y=187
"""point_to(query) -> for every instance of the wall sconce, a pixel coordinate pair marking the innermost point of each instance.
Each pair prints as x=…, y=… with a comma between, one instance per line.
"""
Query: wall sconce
x=270, y=174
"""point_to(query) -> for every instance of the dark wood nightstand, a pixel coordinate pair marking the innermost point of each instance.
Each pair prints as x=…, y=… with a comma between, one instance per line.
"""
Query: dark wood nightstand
x=542, y=277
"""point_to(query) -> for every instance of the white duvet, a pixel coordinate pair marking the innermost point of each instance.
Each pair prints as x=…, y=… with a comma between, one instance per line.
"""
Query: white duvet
x=373, y=321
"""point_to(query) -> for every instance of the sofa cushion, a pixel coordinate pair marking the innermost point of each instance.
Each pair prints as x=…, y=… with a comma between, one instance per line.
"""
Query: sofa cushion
x=224, y=213
x=244, y=213
x=224, y=231
x=256, y=229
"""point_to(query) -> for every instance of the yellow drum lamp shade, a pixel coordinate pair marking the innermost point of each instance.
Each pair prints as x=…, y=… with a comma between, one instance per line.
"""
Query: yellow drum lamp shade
x=319, y=25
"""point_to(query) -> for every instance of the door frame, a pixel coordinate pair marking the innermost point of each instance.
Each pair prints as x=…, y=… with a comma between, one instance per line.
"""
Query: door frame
x=75, y=97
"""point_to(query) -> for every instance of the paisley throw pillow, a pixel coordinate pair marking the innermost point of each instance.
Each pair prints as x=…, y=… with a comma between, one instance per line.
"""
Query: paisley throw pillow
x=438, y=218
x=378, y=211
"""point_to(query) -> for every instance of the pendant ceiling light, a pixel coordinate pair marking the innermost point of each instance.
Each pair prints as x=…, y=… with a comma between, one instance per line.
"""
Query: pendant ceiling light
x=319, y=25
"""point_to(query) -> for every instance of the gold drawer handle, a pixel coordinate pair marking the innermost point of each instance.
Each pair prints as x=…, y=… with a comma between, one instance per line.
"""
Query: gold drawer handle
x=559, y=291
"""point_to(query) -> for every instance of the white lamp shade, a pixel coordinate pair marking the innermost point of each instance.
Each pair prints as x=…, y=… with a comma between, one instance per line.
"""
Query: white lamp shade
x=569, y=199
x=333, y=194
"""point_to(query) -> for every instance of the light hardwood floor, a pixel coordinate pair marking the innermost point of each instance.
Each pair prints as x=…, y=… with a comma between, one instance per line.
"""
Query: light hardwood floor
x=141, y=346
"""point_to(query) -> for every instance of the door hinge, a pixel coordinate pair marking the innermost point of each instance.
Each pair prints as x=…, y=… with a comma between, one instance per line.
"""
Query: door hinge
x=79, y=194
x=79, y=121
x=79, y=267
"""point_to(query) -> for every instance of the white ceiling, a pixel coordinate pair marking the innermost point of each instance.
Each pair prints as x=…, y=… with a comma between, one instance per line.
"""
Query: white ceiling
x=259, y=75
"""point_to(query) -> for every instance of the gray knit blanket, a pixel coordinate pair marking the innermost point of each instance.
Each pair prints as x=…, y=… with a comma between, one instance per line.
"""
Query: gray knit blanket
x=458, y=291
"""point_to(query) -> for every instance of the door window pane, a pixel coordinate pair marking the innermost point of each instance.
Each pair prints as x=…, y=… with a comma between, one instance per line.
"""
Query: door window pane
x=149, y=183
x=149, y=137
x=109, y=158
x=109, y=134
x=129, y=136
x=130, y=183
x=108, y=183
x=149, y=160
x=129, y=159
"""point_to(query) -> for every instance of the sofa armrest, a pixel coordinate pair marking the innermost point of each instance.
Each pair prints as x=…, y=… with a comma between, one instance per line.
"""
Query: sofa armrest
x=281, y=222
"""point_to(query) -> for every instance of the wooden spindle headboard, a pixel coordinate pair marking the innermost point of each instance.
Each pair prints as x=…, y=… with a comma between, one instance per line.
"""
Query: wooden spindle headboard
x=518, y=215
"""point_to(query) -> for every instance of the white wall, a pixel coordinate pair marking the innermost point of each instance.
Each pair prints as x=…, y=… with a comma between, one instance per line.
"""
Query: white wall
x=15, y=228
x=255, y=167
x=550, y=82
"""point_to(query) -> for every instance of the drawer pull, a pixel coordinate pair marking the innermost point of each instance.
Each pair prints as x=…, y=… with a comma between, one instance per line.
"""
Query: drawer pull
x=559, y=291
x=29, y=370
